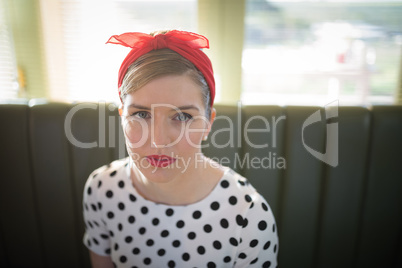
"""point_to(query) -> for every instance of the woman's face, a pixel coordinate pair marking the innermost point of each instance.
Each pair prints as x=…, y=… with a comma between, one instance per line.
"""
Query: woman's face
x=164, y=123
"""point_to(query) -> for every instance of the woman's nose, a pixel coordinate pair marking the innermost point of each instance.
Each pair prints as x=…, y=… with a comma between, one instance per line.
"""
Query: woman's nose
x=160, y=134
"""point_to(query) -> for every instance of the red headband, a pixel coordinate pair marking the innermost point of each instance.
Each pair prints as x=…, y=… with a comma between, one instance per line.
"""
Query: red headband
x=187, y=44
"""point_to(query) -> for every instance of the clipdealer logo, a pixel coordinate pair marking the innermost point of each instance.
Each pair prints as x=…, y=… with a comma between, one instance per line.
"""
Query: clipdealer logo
x=330, y=155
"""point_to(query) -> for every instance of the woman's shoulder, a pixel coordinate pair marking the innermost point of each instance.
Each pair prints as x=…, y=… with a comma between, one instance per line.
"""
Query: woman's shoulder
x=110, y=169
x=108, y=173
x=238, y=188
x=240, y=183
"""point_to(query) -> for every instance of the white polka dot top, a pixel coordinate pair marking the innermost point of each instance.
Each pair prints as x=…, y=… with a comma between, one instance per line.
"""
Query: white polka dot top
x=232, y=227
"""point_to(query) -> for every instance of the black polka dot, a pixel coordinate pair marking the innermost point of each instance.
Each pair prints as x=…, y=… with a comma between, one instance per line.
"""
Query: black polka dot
x=227, y=259
x=131, y=219
x=99, y=205
x=233, y=241
x=191, y=235
x=233, y=200
x=147, y=261
x=111, y=233
x=109, y=194
x=245, y=223
x=86, y=207
x=90, y=224
x=169, y=212
x=242, y=183
x=99, y=184
x=185, y=256
x=207, y=228
x=120, y=226
x=171, y=264
x=155, y=221
x=121, y=184
x=262, y=225
x=95, y=241
x=116, y=246
x=110, y=215
x=217, y=244
x=176, y=243
x=150, y=242
x=224, y=184
x=144, y=210
x=180, y=224
x=239, y=220
x=253, y=243
x=142, y=230
x=197, y=214
x=128, y=239
x=121, y=206
x=273, y=228
x=108, y=251
x=214, y=205
x=211, y=264
x=93, y=207
x=89, y=243
x=252, y=205
x=132, y=198
x=161, y=252
x=266, y=246
x=164, y=233
x=275, y=249
x=264, y=206
x=201, y=250
x=248, y=198
x=113, y=173
x=242, y=255
x=266, y=264
x=224, y=223
x=89, y=191
x=254, y=261
x=123, y=259
x=136, y=251
x=104, y=236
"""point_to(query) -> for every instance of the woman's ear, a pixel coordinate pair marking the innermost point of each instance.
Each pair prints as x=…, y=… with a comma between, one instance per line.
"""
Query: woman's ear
x=211, y=121
x=121, y=109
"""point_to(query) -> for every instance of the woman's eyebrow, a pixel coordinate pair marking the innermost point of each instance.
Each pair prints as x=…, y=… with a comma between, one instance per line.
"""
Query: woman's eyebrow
x=184, y=107
x=133, y=105
x=188, y=107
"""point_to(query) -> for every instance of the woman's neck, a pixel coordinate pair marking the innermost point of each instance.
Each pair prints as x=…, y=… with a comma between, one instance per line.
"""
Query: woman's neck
x=186, y=188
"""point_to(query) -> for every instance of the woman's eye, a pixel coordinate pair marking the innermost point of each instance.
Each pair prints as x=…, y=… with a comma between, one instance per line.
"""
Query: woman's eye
x=141, y=114
x=183, y=117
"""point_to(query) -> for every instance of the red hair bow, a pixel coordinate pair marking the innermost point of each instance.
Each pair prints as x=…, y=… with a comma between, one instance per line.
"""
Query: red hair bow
x=187, y=44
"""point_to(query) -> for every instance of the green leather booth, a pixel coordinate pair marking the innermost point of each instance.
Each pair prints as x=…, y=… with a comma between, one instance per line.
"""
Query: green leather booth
x=345, y=213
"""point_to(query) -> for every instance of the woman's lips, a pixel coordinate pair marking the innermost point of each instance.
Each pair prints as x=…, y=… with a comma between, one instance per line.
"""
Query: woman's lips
x=160, y=160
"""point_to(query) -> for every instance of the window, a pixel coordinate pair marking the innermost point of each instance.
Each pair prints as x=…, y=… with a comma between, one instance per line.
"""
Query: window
x=8, y=68
x=314, y=52
x=90, y=68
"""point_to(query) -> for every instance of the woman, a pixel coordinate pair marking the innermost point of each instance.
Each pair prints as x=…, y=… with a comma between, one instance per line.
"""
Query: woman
x=167, y=205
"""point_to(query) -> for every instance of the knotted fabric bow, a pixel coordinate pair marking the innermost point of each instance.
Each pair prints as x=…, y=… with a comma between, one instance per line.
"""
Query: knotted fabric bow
x=187, y=44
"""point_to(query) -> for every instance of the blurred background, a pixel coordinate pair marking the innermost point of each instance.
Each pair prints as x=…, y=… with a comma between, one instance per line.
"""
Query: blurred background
x=263, y=52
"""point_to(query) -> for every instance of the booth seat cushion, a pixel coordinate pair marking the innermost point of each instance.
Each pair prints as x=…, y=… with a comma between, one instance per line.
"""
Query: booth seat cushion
x=345, y=215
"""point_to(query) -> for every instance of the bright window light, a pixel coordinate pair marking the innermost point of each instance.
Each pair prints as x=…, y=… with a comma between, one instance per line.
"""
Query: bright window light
x=315, y=52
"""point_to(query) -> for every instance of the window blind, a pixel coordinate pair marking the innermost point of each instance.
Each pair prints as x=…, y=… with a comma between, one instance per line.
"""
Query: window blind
x=8, y=66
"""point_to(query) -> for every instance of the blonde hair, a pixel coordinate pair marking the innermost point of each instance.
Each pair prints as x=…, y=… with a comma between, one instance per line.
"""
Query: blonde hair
x=159, y=63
